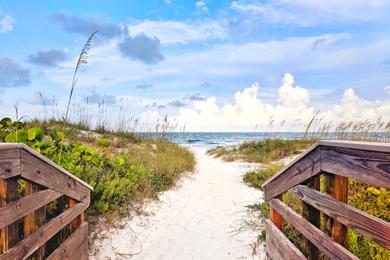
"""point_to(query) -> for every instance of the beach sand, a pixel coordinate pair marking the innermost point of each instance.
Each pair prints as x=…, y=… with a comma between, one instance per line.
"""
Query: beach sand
x=203, y=217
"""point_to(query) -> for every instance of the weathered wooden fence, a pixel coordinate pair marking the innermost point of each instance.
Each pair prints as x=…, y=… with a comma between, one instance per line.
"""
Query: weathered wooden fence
x=337, y=161
x=42, y=207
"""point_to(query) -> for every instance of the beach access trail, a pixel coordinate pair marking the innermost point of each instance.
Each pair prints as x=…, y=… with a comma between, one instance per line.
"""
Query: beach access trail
x=203, y=217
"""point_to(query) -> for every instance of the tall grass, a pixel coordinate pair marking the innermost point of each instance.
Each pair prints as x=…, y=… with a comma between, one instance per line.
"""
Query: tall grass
x=80, y=61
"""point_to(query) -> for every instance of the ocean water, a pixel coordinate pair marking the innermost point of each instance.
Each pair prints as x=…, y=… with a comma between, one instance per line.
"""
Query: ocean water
x=211, y=139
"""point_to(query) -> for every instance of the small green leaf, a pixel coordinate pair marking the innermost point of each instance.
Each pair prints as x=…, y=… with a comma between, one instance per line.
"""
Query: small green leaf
x=21, y=136
x=10, y=138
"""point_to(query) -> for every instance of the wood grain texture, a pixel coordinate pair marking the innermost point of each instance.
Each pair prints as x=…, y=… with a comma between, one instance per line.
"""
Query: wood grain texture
x=73, y=245
x=38, y=171
x=370, y=226
x=278, y=246
x=9, y=193
x=366, y=166
x=337, y=187
x=298, y=172
x=20, y=208
x=35, y=219
x=323, y=242
x=31, y=243
x=23, y=147
x=9, y=163
x=312, y=215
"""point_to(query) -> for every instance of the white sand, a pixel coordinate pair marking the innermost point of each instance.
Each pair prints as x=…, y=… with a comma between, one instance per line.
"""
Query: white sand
x=202, y=218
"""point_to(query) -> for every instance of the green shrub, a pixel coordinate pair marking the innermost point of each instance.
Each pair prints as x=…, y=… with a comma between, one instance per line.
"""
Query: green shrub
x=119, y=179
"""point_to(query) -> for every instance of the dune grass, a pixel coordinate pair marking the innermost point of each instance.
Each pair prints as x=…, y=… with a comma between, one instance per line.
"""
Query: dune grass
x=261, y=151
x=123, y=168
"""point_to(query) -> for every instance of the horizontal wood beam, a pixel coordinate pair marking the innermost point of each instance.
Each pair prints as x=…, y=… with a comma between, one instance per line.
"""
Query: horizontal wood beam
x=71, y=245
x=298, y=172
x=366, y=166
x=370, y=226
x=9, y=163
x=278, y=246
x=27, y=246
x=38, y=171
x=24, y=206
x=323, y=242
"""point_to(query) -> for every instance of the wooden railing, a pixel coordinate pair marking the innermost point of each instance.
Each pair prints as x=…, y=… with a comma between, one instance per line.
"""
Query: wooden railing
x=336, y=161
x=42, y=207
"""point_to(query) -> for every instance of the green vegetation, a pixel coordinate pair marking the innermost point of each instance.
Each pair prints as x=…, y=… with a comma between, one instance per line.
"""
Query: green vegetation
x=122, y=168
x=262, y=151
x=371, y=199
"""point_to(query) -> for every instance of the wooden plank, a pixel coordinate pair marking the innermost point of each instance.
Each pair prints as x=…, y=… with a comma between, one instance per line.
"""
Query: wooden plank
x=372, y=227
x=296, y=173
x=323, y=242
x=278, y=246
x=20, y=146
x=9, y=235
x=31, y=243
x=35, y=219
x=26, y=205
x=9, y=163
x=46, y=175
x=337, y=187
x=366, y=166
x=20, y=208
x=275, y=217
x=73, y=244
x=312, y=215
x=366, y=146
x=74, y=224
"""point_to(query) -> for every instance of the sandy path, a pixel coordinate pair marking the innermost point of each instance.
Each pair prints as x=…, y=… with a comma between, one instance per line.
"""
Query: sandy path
x=196, y=220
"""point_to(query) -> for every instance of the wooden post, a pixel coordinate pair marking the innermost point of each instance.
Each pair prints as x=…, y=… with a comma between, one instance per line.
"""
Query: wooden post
x=275, y=217
x=9, y=236
x=33, y=221
x=77, y=221
x=313, y=216
x=337, y=187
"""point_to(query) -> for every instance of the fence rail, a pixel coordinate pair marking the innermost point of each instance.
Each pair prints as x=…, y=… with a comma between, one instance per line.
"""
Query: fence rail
x=41, y=207
x=337, y=161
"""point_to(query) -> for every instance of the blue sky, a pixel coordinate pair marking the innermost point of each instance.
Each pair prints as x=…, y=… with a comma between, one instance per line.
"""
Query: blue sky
x=211, y=65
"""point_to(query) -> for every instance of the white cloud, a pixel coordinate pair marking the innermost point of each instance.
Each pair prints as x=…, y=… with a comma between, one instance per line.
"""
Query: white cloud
x=6, y=23
x=309, y=12
x=291, y=112
x=173, y=32
x=202, y=6
x=222, y=63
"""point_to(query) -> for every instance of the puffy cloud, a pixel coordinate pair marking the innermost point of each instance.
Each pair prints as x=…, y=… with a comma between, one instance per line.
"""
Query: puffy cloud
x=6, y=23
x=291, y=111
x=87, y=25
x=96, y=98
x=142, y=48
x=290, y=95
x=12, y=74
x=50, y=58
x=174, y=32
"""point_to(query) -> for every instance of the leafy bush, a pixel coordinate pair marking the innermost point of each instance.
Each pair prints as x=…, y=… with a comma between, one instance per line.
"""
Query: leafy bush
x=119, y=179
